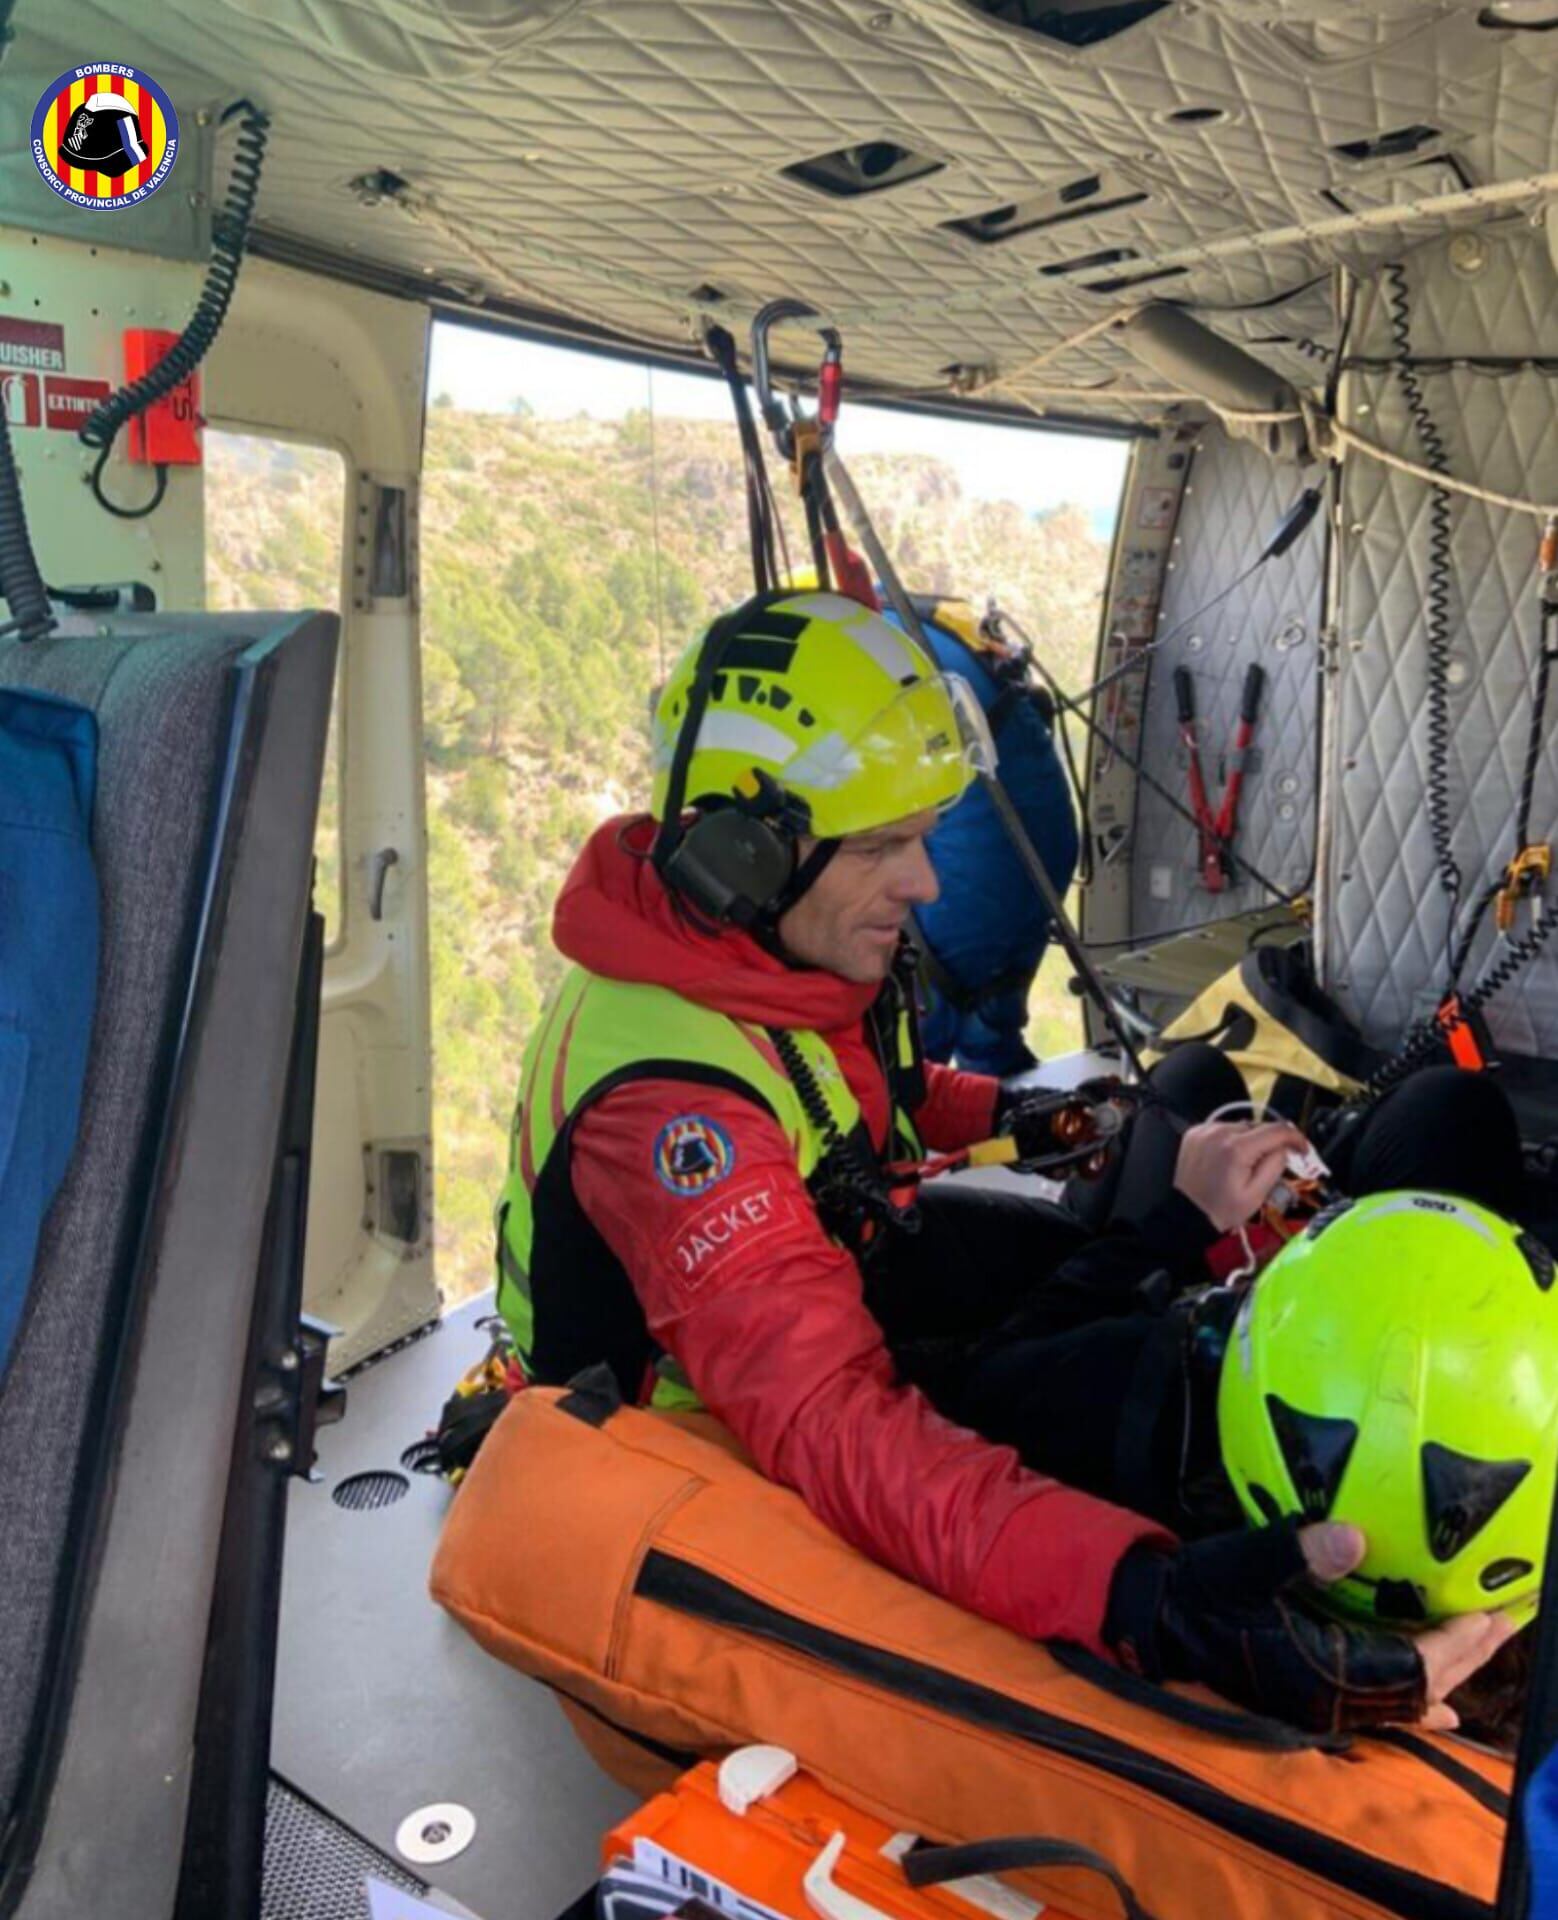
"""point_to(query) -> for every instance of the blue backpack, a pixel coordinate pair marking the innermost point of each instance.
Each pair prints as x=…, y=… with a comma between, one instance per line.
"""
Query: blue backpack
x=983, y=939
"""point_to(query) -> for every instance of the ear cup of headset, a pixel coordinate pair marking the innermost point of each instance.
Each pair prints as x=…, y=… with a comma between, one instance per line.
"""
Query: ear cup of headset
x=731, y=865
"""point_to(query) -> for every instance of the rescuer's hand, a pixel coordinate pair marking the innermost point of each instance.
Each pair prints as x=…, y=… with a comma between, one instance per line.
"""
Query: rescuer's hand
x=1043, y=1121
x=1227, y=1168
x=1027, y=1117
x=1227, y=1611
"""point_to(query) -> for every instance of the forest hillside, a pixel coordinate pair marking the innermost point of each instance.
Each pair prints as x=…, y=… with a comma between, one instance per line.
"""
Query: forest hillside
x=564, y=564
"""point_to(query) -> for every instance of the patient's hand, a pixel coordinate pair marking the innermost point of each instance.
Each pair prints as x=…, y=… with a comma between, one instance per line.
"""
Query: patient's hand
x=1451, y=1653
x=1228, y=1167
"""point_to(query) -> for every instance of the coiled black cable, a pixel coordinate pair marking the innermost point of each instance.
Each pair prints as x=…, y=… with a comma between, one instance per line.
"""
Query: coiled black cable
x=1472, y=928
x=20, y=580
x=1398, y=296
x=1429, y=1035
x=1535, y=732
x=229, y=239
x=1535, y=741
x=848, y=1178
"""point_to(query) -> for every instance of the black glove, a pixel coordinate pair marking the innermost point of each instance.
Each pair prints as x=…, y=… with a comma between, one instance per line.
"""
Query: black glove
x=1027, y=1115
x=1227, y=1611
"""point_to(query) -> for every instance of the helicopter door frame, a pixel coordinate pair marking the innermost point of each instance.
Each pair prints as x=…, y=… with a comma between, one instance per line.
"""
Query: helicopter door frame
x=312, y=359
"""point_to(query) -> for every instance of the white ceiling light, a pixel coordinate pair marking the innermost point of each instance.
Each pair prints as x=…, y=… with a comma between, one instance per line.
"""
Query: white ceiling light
x=1533, y=15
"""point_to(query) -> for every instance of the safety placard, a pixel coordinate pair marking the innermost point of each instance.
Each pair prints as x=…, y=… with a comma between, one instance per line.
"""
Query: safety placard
x=21, y=399
x=38, y=345
x=68, y=403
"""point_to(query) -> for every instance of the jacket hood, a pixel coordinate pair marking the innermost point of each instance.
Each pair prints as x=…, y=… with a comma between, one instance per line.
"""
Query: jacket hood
x=615, y=918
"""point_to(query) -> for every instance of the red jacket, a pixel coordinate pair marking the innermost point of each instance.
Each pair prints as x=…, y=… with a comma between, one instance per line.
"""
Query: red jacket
x=765, y=1311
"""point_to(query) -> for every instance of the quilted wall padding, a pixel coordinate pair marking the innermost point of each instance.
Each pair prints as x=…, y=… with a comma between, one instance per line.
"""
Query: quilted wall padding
x=606, y=159
x=1233, y=502
x=1385, y=916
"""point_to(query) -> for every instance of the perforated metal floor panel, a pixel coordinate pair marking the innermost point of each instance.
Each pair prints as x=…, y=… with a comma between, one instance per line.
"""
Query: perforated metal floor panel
x=316, y=1869
x=384, y=1706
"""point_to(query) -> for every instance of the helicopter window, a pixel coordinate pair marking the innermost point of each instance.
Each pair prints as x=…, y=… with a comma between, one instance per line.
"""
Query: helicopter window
x=581, y=519
x=275, y=520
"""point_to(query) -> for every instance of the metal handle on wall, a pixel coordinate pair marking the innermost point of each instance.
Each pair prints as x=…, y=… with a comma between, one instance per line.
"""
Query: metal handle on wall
x=378, y=872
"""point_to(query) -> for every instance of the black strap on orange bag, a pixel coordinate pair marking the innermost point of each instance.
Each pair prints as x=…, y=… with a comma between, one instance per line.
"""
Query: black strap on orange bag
x=932, y=1866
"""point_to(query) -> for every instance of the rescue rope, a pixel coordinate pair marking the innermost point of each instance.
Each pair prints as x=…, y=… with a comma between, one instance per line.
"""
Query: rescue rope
x=654, y=511
x=1039, y=399
x=1237, y=246
x=1116, y=318
x=1333, y=434
x=424, y=209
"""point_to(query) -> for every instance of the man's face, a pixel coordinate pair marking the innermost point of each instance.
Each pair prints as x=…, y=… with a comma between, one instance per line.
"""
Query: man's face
x=849, y=921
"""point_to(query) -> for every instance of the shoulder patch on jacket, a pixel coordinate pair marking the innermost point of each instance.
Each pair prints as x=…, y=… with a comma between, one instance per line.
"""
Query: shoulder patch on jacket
x=693, y=1153
x=758, y=1208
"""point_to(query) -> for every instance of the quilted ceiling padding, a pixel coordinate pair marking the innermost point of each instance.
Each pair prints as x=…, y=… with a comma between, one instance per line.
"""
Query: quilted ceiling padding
x=614, y=160
x=1233, y=503
x=1386, y=915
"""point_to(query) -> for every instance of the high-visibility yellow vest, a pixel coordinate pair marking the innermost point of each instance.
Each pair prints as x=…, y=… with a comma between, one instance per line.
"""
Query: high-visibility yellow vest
x=562, y=1292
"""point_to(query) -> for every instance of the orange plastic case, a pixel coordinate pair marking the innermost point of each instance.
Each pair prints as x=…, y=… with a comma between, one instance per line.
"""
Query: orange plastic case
x=754, y=1865
x=167, y=433
x=677, y=1600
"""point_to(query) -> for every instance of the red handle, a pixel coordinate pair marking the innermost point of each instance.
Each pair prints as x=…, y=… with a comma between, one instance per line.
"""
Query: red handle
x=851, y=575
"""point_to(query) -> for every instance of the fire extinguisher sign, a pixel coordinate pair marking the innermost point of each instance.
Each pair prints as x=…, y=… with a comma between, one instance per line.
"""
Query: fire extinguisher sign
x=35, y=390
x=32, y=346
x=69, y=403
x=21, y=399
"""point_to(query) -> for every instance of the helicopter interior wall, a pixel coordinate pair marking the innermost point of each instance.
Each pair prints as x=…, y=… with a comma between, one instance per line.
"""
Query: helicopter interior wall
x=1234, y=498
x=1490, y=296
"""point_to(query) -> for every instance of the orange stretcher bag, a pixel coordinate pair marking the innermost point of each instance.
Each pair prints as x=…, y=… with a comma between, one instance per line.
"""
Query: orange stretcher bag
x=636, y=1563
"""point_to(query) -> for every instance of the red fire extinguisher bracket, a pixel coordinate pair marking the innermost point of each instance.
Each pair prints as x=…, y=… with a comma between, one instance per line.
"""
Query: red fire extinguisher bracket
x=168, y=432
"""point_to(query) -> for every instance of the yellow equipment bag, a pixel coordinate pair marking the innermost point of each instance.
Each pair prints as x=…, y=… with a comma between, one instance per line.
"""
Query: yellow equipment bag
x=1287, y=1037
x=645, y=1571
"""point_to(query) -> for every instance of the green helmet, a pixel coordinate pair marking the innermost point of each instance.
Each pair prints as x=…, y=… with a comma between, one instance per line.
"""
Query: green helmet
x=1396, y=1367
x=822, y=699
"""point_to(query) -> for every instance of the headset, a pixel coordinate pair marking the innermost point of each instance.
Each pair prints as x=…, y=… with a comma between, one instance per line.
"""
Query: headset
x=738, y=861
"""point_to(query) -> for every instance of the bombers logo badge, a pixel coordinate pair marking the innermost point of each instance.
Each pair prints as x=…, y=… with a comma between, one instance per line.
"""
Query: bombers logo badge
x=692, y=1154
x=104, y=136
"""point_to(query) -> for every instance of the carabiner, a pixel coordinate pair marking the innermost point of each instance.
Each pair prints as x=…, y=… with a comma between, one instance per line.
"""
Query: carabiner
x=781, y=424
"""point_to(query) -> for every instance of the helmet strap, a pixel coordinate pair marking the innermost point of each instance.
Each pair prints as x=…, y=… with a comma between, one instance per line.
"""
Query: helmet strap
x=711, y=656
x=766, y=930
x=710, y=653
x=806, y=875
